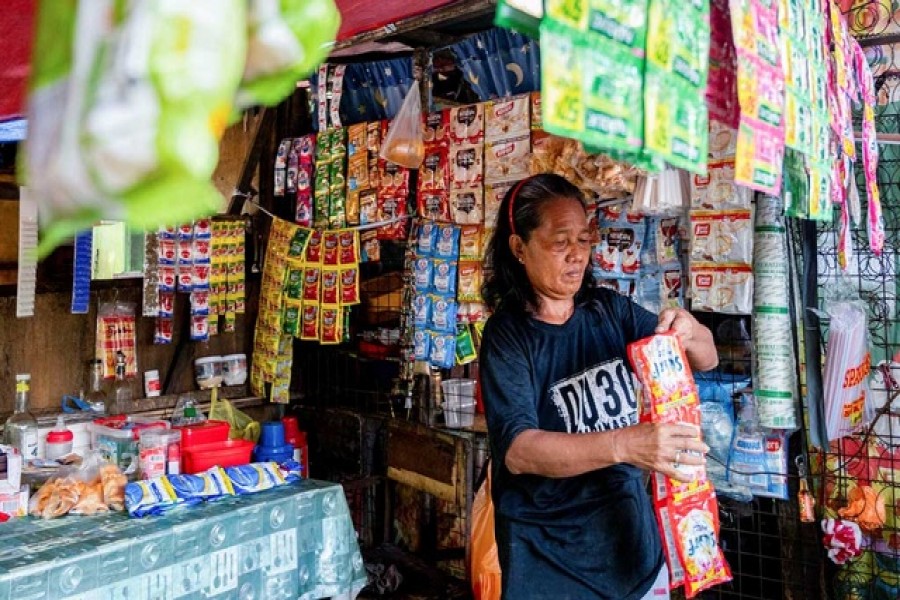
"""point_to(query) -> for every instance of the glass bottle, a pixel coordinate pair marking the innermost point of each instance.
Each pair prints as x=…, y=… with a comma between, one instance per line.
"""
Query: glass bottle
x=95, y=396
x=21, y=430
x=122, y=394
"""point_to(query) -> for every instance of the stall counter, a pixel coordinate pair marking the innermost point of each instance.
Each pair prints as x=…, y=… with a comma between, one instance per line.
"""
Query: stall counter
x=295, y=541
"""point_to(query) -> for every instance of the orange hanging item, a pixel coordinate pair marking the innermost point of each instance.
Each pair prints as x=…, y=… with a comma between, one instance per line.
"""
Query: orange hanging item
x=485, y=564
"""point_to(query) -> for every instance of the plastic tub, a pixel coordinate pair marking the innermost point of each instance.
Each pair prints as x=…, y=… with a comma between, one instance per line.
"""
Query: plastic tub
x=234, y=369
x=230, y=453
x=160, y=452
x=117, y=438
x=207, y=432
x=208, y=372
x=459, y=402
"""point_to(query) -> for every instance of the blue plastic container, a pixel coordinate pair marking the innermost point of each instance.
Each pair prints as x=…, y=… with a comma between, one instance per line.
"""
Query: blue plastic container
x=272, y=446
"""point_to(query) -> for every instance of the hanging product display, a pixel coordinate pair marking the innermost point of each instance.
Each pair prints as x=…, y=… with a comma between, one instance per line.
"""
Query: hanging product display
x=848, y=404
x=116, y=333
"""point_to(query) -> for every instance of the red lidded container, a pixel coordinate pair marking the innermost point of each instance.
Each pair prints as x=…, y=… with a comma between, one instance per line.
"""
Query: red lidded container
x=231, y=453
x=207, y=432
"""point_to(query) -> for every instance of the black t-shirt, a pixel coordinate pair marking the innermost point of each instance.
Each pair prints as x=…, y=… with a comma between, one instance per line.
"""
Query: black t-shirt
x=589, y=536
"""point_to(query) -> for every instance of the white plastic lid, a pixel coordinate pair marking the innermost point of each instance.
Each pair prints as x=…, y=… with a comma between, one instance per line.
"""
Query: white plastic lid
x=231, y=357
x=23, y=377
x=207, y=360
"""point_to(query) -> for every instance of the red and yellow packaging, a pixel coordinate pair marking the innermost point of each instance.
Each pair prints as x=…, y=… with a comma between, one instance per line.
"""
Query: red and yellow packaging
x=687, y=512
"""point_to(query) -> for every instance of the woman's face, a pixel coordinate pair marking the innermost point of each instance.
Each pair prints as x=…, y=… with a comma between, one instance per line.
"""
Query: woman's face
x=557, y=253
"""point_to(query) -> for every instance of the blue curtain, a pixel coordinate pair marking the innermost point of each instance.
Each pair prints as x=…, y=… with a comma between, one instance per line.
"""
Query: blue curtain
x=373, y=90
x=494, y=63
x=491, y=64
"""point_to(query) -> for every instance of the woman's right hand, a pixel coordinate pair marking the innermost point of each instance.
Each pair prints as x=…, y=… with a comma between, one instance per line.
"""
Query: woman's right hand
x=661, y=447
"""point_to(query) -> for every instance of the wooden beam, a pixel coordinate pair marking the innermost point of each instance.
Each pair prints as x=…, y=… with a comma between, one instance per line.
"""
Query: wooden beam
x=463, y=10
x=250, y=160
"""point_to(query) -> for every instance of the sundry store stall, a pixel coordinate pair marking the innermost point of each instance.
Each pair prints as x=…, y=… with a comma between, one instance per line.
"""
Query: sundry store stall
x=725, y=234
x=136, y=460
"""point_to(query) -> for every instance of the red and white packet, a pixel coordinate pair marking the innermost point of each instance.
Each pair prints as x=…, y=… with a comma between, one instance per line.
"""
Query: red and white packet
x=687, y=511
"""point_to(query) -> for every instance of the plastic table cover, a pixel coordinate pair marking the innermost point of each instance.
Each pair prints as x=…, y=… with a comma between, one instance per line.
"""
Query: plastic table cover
x=295, y=541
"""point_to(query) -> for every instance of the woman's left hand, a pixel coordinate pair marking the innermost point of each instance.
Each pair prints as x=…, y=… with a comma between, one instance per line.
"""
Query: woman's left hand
x=677, y=321
x=696, y=339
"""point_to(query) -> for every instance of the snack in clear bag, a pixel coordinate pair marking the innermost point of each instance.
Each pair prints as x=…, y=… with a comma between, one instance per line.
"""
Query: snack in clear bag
x=724, y=236
x=717, y=190
x=404, y=145
x=507, y=117
x=87, y=489
x=726, y=288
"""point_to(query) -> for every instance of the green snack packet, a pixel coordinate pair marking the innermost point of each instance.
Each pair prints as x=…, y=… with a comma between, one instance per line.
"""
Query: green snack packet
x=290, y=324
x=622, y=21
x=336, y=178
x=299, y=242
x=562, y=81
x=677, y=122
x=465, y=345
x=336, y=210
x=323, y=146
x=293, y=285
x=612, y=91
x=320, y=209
x=523, y=16
x=795, y=182
x=339, y=142
x=323, y=177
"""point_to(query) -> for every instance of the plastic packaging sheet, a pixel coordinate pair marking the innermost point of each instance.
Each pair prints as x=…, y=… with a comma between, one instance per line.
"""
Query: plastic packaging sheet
x=775, y=376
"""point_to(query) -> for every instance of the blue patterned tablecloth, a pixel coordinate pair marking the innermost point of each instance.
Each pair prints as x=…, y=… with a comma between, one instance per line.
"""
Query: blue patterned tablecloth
x=291, y=542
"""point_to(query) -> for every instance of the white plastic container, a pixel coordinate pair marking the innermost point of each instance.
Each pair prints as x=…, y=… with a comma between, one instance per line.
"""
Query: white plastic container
x=59, y=440
x=234, y=369
x=459, y=402
x=208, y=372
x=160, y=452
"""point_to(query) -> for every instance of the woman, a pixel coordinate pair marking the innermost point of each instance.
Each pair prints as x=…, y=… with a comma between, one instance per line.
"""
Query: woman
x=573, y=518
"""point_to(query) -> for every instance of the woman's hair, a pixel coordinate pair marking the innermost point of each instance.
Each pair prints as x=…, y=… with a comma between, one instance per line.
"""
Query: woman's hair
x=506, y=286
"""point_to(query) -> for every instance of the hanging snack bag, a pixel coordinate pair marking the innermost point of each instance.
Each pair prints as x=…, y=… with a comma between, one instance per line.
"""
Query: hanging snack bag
x=717, y=190
x=470, y=242
x=422, y=344
x=434, y=205
x=422, y=310
x=330, y=249
x=507, y=117
x=403, y=144
x=331, y=326
x=348, y=242
x=370, y=247
x=507, y=159
x=426, y=237
x=444, y=278
x=443, y=314
x=309, y=323
x=423, y=270
x=726, y=288
x=466, y=206
x=470, y=281
x=442, y=352
x=368, y=207
x=467, y=165
x=330, y=293
x=447, y=242
x=467, y=124
x=349, y=285
x=722, y=236
x=437, y=128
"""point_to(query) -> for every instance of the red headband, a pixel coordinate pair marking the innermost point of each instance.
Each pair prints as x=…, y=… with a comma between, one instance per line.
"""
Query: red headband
x=512, y=204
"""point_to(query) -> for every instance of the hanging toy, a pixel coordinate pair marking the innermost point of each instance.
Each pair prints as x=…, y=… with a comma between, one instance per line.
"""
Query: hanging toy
x=866, y=507
x=842, y=539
